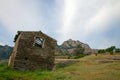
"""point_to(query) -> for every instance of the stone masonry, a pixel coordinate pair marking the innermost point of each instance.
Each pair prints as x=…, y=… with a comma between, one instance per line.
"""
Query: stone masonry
x=33, y=50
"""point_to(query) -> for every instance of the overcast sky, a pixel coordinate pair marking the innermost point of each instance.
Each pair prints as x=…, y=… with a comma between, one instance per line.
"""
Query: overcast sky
x=95, y=22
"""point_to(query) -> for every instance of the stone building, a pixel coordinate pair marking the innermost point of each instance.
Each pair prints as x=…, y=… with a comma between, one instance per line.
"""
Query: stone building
x=33, y=50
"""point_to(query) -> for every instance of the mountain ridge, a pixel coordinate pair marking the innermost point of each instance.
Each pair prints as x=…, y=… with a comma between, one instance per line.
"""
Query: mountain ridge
x=70, y=45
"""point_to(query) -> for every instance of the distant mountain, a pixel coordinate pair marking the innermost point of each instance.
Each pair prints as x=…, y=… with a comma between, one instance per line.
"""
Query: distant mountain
x=70, y=45
x=5, y=51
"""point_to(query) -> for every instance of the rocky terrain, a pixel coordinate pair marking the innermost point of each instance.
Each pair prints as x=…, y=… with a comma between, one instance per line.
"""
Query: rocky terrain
x=70, y=45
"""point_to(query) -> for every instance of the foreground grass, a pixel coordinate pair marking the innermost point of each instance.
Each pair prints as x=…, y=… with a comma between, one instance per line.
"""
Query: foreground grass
x=101, y=67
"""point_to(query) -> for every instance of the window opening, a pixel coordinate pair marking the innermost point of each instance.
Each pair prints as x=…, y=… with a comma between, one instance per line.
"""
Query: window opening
x=38, y=42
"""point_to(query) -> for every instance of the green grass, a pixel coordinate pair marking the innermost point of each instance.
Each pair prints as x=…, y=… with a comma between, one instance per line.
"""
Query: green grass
x=88, y=68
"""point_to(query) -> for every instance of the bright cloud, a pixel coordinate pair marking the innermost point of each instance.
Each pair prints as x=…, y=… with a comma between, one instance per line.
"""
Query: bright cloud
x=102, y=19
x=20, y=15
x=84, y=20
x=1, y=43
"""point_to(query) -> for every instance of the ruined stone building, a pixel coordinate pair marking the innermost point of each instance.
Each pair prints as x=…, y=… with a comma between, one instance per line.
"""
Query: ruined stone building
x=33, y=50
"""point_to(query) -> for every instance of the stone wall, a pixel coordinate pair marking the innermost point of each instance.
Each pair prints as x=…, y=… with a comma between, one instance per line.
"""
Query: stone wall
x=27, y=56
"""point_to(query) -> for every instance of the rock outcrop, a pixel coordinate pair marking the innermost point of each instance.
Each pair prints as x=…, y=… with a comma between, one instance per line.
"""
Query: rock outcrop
x=70, y=45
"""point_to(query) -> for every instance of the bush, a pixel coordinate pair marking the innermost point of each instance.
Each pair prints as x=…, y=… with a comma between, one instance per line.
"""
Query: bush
x=110, y=49
x=79, y=52
x=102, y=51
x=79, y=56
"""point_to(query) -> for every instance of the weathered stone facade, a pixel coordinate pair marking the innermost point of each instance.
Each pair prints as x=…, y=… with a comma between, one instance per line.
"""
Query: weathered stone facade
x=32, y=50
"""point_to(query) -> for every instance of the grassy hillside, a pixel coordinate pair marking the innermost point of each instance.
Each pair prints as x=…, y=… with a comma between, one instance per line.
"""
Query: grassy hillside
x=101, y=67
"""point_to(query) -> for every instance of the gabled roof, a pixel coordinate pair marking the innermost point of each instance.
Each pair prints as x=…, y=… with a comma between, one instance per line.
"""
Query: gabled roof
x=19, y=32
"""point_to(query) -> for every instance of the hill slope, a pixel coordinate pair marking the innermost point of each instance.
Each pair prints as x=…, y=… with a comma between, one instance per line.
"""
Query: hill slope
x=5, y=51
x=101, y=67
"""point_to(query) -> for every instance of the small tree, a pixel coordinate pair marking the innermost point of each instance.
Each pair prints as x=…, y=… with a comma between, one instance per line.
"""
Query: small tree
x=111, y=49
x=102, y=51
x=117, y=50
